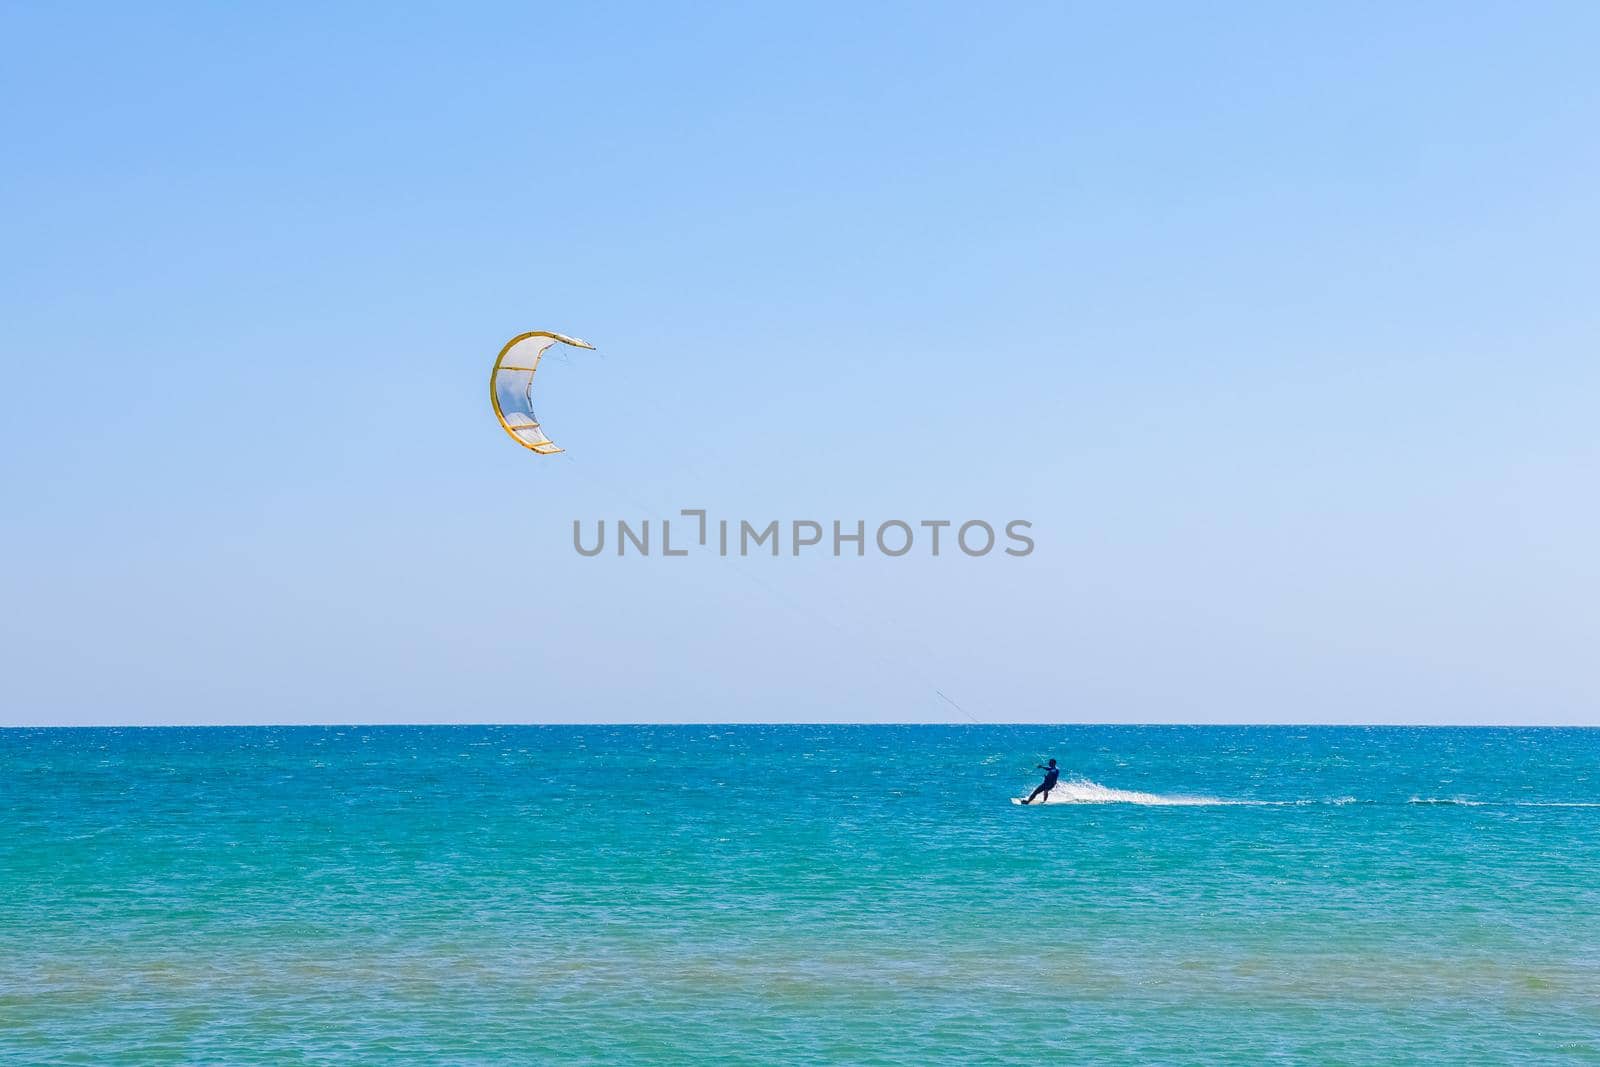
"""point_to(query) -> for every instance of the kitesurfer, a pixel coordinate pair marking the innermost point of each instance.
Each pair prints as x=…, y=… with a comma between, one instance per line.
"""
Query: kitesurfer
x=1051, y=774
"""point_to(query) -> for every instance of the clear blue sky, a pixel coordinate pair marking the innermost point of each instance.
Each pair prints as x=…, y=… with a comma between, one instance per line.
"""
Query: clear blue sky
x=1278, y=321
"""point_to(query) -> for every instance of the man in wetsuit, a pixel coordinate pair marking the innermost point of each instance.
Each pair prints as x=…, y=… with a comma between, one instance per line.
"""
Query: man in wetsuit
x=1051, y=773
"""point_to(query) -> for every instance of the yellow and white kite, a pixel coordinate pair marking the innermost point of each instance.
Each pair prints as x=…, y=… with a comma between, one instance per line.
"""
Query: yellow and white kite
x=511, y=387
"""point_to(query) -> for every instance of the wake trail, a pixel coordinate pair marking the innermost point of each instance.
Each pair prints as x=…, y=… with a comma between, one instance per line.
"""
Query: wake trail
x=1084, y=791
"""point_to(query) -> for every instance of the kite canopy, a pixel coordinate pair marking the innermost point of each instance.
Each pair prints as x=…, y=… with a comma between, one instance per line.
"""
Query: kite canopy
x=511, y=387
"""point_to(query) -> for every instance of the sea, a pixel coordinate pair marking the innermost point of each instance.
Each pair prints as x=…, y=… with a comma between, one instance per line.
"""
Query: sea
x=798, y=894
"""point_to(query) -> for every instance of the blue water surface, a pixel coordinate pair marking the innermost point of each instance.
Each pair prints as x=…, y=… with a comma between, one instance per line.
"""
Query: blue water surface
x=848, y=894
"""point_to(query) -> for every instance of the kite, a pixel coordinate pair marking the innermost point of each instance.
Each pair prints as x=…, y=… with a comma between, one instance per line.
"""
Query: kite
x=511, y=387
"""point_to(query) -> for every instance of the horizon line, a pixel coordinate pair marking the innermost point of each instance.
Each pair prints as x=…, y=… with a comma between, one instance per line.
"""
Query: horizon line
x=795, y=722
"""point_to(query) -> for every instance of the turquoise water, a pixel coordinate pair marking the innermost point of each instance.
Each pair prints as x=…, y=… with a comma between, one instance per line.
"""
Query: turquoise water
x=489, y=895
